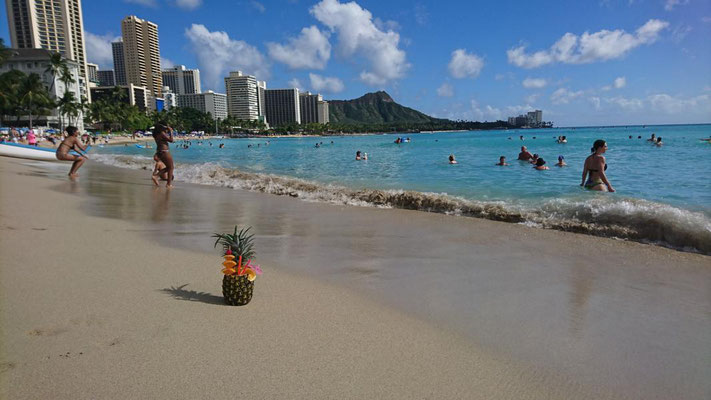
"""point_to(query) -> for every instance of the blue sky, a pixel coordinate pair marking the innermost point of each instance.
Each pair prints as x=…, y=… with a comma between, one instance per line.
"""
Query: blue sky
x=598, y=62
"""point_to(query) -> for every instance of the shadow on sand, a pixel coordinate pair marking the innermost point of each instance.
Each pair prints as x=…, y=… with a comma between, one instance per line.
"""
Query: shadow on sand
x=191, y=295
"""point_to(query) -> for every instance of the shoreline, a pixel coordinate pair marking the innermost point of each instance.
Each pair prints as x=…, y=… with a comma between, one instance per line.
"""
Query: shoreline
x=561, y=298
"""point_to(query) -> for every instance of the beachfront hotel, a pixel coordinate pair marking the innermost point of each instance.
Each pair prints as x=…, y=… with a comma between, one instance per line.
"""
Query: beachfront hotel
x=282, y=106
x=134, y=95
x=36, y=61
x=181, y=80
x=141, y=54
x=245, y=96
x=54, y=25
x=207, y=102
x=106, y=77
x=119, y=63
x=313, y=108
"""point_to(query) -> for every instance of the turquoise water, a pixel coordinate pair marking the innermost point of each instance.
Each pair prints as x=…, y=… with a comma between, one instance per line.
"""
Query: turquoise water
x=665, y=186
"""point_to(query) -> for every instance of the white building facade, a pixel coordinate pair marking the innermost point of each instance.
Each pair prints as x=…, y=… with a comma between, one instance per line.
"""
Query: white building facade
x=210, y=102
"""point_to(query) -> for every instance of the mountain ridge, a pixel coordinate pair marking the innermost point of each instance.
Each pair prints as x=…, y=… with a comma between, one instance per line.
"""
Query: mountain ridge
x=375, y=108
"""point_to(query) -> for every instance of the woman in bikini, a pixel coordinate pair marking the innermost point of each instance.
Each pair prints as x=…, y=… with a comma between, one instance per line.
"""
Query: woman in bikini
x=72, y=142
x=163, y=151
x=595, y=165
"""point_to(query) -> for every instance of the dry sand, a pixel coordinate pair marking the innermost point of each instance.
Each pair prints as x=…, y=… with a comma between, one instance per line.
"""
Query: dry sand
x=91, y=307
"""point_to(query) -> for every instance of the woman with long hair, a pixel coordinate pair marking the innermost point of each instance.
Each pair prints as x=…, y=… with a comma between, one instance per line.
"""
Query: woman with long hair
x=163, y=135
x=594, y=169
x=72, y=142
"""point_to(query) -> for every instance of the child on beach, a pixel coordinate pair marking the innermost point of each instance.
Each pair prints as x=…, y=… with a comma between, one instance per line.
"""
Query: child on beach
x=72, y=142
x=157, y=168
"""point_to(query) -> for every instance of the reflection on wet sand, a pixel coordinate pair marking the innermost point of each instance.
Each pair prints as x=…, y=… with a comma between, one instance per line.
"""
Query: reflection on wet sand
x=542, y=298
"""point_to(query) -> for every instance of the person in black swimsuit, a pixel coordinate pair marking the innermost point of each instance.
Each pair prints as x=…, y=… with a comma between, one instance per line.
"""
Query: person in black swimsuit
x=163, y=135
x=596, y=166
x=72, y=142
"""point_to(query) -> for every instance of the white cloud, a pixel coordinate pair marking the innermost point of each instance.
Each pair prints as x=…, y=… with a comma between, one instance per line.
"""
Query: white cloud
x=464, y=65
x=485, y=113
x=295, y=83
x=626, y=104
x=388, y=25
x=676, y=105
x=217, y=54
x=446, y=90
x=98, y=49
x=258, y=6
x=358, y=36
x=534, y=83
x=670, y=4
x=326, y=84
x=147, y=3
x=564, y=96
x=590, y=47
x=166, y=63
x=532, y=98
x=421, y=14
x=680, y=32
x=310, y=50
x=618, y=83
x=188, y=4
x=595, y=101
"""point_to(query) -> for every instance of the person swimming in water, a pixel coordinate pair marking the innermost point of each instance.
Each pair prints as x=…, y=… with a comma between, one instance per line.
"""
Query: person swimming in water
x=534, y=159
x=452, y=160
x=358, y=156
x=594, y=169
x=525, y=155
x=561, y=162
x=72, y=142
x=502, y=161
x=540, y=164
x=658, y=143
x=652, y=138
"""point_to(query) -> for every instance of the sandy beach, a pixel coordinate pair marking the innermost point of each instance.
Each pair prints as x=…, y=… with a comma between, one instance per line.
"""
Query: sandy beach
x=110, y=288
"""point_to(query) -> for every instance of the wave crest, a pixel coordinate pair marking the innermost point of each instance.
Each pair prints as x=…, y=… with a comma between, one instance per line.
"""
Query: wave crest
x=632, y=219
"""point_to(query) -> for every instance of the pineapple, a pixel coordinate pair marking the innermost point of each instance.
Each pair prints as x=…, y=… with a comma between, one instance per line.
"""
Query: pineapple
x=237, y=284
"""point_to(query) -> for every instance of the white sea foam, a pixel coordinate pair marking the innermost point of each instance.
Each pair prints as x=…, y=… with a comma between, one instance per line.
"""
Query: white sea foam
x=608, y=216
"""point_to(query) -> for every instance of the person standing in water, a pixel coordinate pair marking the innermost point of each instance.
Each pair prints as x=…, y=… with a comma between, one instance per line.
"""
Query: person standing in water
x=595, y=165
x=163, y=135
x=72, y=142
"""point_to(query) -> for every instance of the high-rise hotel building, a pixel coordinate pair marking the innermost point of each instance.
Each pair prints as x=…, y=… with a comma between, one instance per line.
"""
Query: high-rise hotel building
x=242, y=96
x=181, y=80
x=313, y=108
x=119, y=63
x=142, y=54
x=54, y=25
x=282, y=106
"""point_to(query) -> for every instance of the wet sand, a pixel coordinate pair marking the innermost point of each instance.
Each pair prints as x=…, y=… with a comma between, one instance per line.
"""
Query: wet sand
x=355, y=302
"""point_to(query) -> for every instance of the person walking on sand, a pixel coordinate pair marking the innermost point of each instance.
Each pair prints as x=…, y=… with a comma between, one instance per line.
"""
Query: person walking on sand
x=72, y=142
x=595, y=165
x=163, y=135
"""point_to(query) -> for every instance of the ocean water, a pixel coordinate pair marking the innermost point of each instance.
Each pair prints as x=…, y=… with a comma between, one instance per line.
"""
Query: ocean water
x=663, y=194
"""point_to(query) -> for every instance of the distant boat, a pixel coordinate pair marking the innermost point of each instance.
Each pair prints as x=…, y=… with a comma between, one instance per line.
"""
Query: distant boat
x=17, y=150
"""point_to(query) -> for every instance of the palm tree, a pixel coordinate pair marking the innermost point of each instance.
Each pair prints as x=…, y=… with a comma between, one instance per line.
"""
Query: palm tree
x=34, y=98
x=5, y=53
x=68, y=106
x=57, y=67
x=9, y=93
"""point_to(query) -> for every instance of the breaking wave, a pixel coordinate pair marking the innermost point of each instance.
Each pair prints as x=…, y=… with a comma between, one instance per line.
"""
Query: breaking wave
x=626, y=218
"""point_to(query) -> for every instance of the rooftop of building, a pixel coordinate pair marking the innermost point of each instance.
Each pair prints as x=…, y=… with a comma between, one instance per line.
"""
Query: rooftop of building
x=33, y=55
